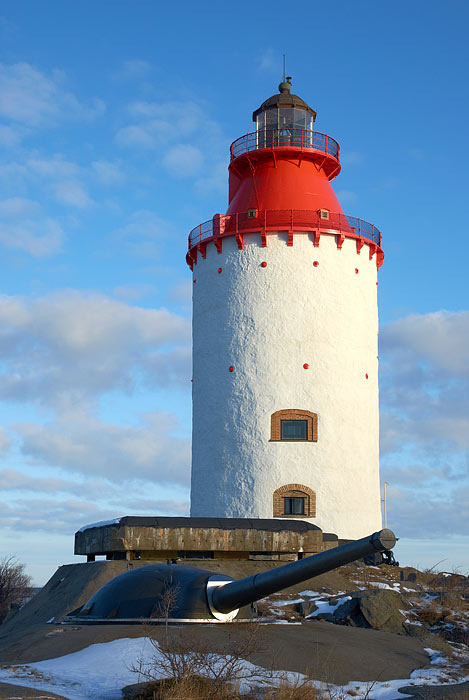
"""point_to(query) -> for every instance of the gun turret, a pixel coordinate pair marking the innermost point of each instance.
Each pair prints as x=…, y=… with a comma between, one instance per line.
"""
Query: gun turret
x=180, y=593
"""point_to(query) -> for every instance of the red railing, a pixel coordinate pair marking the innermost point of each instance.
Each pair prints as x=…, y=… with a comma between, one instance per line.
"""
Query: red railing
x=296, y=138
x=271, y=220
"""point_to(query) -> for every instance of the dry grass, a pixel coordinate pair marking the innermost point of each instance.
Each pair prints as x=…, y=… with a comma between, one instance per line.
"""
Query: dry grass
x=203, y=689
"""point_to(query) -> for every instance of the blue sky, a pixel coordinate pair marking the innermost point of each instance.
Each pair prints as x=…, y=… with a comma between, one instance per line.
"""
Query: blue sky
x=116, y=120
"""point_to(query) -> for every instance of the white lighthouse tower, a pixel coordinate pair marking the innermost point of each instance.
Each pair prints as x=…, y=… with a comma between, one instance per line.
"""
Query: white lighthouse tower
x=285, y=337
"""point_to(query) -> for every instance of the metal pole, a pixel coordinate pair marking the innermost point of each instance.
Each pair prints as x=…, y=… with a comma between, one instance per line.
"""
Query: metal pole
x=386, y=483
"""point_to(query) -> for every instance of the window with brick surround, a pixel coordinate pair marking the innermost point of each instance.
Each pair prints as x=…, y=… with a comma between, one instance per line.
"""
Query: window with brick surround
x=294, y=425
x=294, y=501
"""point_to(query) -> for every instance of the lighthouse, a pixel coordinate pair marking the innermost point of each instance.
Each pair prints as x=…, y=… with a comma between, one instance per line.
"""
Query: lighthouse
x=285, y=336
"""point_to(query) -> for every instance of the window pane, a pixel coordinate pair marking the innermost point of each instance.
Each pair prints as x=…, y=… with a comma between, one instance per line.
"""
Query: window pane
x=286, y=117
x=294, y=429
x=271, y=119
x=294, y=506
x=300, y=118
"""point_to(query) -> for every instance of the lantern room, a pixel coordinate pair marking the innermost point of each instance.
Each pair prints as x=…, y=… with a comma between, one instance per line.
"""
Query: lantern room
x=284, y=111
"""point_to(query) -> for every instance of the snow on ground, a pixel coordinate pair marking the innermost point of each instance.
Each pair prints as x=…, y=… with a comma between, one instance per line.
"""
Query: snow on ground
x=324, y=606
x=101, y=670
x=321, y=600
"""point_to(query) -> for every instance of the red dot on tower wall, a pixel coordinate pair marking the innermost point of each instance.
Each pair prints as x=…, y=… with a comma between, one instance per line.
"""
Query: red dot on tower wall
x=356, y=270
x=195, y=281
x=305, y=366
x=315, y=263
x=366, y=376
x=231, y=368
x=263, y=264
x=219, y=270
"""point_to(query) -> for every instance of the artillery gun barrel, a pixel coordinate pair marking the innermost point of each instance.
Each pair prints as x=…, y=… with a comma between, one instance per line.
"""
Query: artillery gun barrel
x=247, y=590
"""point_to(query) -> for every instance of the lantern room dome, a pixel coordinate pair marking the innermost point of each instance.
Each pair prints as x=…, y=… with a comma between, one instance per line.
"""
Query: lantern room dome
x=284, y=100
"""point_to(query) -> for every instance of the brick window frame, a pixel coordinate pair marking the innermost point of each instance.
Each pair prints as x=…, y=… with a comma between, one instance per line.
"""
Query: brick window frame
x=294, y=491
x=293, y=414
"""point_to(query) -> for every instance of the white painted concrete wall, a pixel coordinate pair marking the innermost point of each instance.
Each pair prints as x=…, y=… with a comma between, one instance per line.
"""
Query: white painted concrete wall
x=266, y=323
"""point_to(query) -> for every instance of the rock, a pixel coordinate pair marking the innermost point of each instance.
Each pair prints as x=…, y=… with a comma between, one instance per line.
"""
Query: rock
x=375, y=609
x=348, y=609
x=325, y=617
x=381, y=609
x=457, y=691
x=414, y=630
x=306, y=608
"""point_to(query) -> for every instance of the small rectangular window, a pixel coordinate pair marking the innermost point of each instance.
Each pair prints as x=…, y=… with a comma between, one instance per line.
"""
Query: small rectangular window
x=294, y=429
x=294, y=506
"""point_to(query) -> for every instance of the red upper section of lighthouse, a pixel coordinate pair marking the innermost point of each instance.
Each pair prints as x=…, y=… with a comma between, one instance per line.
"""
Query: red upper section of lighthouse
x=284, y=163
x=279, y=181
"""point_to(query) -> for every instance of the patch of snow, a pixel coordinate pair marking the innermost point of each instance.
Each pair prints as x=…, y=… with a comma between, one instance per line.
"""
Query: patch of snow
x=385, y=586
x=115, y=521
x=324, y=606
x=51, y=620
x=101, y=670
x=281, y=603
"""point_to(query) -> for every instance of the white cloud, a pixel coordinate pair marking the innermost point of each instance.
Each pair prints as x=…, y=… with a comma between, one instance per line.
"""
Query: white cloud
x=144, y=233
x=425, y=380
x=55, y=167
x=134, y=292
x=35, y=99
x=108, y=173
x=13, y=480
x=181, y=293
x=157, y=125
x=69, y=347
x=440, y=338
x=9, y=137
x=66, y=516
x=183, y=160
x=5, y=442
x=72, y=193
x=413, y=513
x=139, y=136
x=15, y=207
x=213, y=179
x=84, y=444
x=425, y=421
x=63, y=516
x=37, y=237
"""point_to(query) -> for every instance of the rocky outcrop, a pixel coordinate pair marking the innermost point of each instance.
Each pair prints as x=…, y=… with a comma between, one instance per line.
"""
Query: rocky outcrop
x=378, y=610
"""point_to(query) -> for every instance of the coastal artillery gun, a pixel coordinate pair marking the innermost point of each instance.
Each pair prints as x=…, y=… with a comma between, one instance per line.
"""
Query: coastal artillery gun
x=177, y=593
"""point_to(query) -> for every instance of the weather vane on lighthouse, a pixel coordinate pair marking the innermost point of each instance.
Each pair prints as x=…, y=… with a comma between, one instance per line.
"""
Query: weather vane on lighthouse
x=285, y=325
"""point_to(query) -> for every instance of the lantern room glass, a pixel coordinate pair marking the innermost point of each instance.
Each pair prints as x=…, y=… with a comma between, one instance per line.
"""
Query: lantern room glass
x=284, y=126
x=284, y=118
